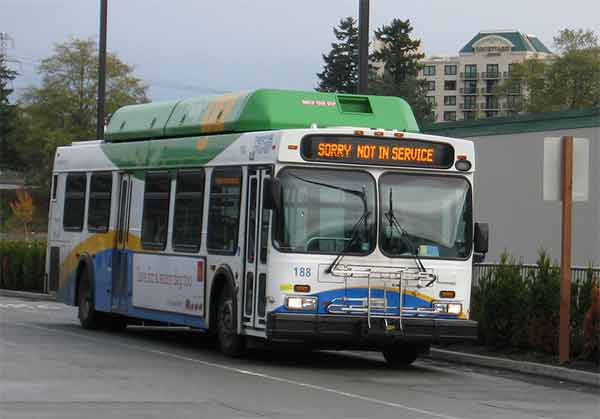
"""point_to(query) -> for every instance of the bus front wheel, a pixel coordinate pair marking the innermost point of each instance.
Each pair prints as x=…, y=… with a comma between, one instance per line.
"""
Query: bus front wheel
x=230, y=343
x=400, y=356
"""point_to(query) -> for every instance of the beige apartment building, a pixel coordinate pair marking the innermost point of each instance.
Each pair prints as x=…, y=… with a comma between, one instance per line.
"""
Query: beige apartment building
x=464, y=86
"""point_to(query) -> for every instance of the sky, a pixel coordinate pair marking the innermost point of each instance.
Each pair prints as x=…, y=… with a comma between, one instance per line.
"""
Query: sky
x=183, y=48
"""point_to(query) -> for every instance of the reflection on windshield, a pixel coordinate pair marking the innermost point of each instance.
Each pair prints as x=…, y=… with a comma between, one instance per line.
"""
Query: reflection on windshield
x=434, y=211
x=320, y=209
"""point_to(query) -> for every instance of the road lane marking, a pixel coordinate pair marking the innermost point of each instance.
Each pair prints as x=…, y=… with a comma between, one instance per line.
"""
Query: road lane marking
x=251, y=373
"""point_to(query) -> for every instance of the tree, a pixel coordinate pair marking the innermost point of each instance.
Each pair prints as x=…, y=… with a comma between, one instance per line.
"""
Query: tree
x=340, y=71
x=575, y=39
x=8, y=115
x=571, y=81
x=23, y=209
x=66, y=100
x=396, y=58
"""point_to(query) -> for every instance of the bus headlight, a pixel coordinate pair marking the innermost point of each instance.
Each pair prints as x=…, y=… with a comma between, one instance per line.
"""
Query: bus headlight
x=301, y=302
x=450, y=308
x=454, y=308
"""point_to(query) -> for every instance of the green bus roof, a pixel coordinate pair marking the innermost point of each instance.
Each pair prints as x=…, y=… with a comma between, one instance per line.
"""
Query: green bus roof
x=258, y=110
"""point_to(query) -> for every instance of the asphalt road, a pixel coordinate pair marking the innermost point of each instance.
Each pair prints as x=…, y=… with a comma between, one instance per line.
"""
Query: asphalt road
x=51, y=368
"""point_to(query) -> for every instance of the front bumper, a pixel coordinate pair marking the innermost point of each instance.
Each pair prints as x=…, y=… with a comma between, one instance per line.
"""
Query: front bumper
x=354, y=332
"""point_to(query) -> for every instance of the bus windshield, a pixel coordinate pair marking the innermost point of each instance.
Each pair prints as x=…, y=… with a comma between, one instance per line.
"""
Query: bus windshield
x=326, y=211
x=434, y=213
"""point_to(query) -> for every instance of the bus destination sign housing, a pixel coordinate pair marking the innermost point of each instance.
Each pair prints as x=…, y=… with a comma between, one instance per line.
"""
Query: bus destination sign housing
x=377, y=150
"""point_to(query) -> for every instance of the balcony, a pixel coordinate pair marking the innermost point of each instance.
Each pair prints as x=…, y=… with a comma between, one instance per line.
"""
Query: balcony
x=491, y=75
x=491, y=106
x=471, y=75
x=468, y=91
x=509, y=75
x=469, y=106
x=487, y=91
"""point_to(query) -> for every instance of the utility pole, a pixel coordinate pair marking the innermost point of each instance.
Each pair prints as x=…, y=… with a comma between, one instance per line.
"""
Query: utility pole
x=363, y=46
x=565, y=259
x=101, y=71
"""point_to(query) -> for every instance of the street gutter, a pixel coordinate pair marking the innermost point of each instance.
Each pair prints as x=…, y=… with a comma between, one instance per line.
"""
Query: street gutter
x=27, y=295
x=532, y=368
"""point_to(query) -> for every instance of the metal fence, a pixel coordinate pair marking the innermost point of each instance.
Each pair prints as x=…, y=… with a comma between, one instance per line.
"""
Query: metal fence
x=578, y=273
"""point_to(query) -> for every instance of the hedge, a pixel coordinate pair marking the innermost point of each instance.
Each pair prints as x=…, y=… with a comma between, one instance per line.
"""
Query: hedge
x=22, y=264
x=521, y=312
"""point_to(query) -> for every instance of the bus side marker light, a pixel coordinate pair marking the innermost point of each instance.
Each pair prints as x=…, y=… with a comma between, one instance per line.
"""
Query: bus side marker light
x=379, y=133
x=293, y=147
x=359, y=132
x=301, y=288
x=399, y=134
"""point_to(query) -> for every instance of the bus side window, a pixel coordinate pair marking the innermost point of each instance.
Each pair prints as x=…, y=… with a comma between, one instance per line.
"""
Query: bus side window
x=189, y=202
x=99, y=202
x=224, y=210
x=155, y=220
x=54, y=186
x=74, y=207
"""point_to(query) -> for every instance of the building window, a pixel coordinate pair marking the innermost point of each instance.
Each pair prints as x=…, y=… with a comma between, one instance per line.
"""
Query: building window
x=430, y=100
x=450, y=70
x=491, y=114
x=450, y=85
x=470, y=102
x=469, y=115
x=429, y=70
x=430, y=85
x=74, y=202
x=470, y=87
x=450, y=116
x=99, y=205
x=470, y=69
x=224, y=210
x=155, y=220
x=492, y=70
x=189, y=203
x=449, y=100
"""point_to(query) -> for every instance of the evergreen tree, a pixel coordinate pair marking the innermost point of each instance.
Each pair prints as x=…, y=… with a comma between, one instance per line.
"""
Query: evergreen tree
x=340, y=72
x=396, y=60
x=8, y=115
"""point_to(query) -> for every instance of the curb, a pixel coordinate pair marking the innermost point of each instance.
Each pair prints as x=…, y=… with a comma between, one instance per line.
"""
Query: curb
x=27, y=295
x=532, y=368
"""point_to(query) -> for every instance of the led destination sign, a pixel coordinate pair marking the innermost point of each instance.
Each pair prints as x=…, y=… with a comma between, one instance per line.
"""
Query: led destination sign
x=378, y=151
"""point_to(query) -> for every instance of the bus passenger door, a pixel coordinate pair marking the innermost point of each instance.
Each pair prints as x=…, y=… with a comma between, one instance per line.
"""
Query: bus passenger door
x=120, y=257
x=257, y=231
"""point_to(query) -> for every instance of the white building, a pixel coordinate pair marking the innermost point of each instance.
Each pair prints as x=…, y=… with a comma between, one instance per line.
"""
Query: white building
x=463, y=86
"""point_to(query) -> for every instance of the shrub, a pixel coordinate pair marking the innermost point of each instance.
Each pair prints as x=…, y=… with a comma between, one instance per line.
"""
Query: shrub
x=22, y=264
x=500, y=305
x=543, y=289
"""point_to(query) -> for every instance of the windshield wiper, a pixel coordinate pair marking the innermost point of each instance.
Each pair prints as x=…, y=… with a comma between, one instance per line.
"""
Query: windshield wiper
x=353, y=237
x=391, y=216
x=362, y=194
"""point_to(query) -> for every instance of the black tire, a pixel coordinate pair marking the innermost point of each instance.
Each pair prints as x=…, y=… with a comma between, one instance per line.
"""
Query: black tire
x=88, y=317
x=400, y=356
x=230, y=343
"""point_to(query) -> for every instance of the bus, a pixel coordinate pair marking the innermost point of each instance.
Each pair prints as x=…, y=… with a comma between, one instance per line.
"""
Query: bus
x=314, y=219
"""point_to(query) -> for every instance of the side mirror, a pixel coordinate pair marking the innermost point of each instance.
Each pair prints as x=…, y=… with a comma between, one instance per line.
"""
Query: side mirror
x=481, y=238
x=272, y=193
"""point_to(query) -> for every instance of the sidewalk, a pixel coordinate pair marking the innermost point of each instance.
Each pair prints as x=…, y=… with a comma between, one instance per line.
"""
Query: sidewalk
x=27, y=295
x=532, y=368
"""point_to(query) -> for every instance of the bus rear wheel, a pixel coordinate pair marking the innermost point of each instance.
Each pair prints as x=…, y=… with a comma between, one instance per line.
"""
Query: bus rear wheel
x=230, y=343
x=400, y=356
x=88, y=317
